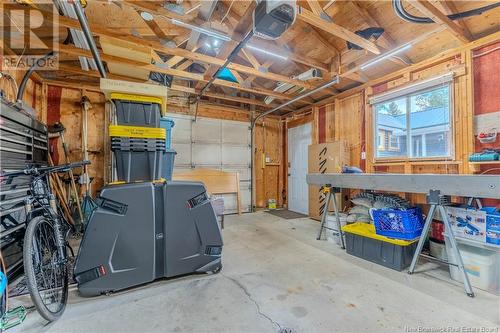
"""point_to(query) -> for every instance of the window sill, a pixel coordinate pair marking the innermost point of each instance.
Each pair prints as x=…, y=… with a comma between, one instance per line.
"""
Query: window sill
x=415, y=162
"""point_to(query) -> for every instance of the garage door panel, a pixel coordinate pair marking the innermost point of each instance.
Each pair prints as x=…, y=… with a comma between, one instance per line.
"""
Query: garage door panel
x=181, y=132
x=206, y=130
x=235, y=155
x=183, y=156
x=204, y=154
x=215, y=144
x=245, y=173
x=233, y=132
x=246, y=201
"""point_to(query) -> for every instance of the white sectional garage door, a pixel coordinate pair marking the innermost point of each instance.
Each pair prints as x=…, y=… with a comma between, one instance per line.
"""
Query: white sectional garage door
x=215, y=144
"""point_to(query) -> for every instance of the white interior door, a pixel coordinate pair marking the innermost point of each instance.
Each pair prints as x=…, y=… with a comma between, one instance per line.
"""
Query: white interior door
x=299, y=138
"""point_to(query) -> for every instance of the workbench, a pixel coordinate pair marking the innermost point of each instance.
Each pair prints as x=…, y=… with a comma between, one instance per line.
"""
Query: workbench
x=438, y=189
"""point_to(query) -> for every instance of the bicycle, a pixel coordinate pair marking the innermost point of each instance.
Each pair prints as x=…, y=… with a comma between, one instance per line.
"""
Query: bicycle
x=45, y=241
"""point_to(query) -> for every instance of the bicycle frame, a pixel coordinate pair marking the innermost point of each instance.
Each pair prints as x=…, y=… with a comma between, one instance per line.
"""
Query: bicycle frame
x=41, y=199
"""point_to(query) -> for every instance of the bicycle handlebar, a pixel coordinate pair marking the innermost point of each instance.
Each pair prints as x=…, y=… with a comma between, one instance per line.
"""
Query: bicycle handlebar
x=42, y=170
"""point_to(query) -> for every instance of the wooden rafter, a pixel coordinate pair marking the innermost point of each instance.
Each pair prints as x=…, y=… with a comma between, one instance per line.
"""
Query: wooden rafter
x=449, y=8
x=386, y=40
x=157, y=46
x=315, y=7
x=438, y=17
x=71, y=50
x=251, y=58
x=336, y=30
x=174, y=87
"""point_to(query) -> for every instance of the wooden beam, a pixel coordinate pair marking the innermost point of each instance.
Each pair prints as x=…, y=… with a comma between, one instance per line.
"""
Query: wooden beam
x=251, y=58
x=174, y=87
x=157, y=46
x=449, y=7
x=229, y=46
x=67, y=49
x=315, y=7
x=336, y=30
x=438, y=17
x=329, y=4
x=266, y=45
x=183, y=66
x=150, y=6
x=386, y=39
x=325, y=42
x=237, y=76
x=265, y=65
x=441, y=57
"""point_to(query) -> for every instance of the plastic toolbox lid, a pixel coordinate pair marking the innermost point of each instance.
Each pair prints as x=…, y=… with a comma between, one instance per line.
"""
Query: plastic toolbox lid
x=135, y=98
x=368, y=230
x=137, y=132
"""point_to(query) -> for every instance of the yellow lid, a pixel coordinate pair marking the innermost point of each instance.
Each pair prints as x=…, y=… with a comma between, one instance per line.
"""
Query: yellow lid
x=368, y=230
x=118, y=182
x=137, y=132
x=136, y=98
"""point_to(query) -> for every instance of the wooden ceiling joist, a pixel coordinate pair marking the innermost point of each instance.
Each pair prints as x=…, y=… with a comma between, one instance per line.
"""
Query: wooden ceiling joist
x=336, y=30
x=386, y=40
x=71, y=50
x=438, y=17
x=157, y=46
x=174, y=87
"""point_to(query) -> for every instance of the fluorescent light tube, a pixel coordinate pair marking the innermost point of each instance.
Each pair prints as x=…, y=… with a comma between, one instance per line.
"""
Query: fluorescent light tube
x=385, y=56
x=204, y=31
x=266, y=52
x=146, y=16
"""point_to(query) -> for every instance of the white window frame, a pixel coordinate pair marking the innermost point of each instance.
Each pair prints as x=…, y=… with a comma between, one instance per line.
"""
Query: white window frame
x=407, y=92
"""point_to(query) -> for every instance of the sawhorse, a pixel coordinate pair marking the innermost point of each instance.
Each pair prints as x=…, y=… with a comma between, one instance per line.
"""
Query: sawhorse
x=438, y=201
x=330, y=193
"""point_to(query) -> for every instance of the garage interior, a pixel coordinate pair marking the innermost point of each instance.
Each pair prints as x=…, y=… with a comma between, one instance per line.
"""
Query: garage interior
x=250, y=166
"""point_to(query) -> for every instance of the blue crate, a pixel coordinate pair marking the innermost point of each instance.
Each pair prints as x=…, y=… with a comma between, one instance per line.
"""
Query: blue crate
x=167, y=124
x=400, y=224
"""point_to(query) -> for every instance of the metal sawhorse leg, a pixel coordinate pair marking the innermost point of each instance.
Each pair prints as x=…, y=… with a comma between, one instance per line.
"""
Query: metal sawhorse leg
x=330, y=193
x=438, y=201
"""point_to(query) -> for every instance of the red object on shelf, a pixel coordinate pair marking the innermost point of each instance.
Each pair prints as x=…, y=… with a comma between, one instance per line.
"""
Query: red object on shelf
x=437, y=229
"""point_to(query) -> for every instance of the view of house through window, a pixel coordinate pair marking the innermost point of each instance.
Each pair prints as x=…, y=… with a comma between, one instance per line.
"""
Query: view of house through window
x=415, y=125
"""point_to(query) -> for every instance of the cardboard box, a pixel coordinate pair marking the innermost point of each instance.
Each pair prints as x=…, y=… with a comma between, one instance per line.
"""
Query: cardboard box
x=468, y=223
x=325, y=158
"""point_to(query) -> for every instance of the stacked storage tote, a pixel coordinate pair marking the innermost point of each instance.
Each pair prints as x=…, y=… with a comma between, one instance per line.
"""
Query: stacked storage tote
x=137, y=141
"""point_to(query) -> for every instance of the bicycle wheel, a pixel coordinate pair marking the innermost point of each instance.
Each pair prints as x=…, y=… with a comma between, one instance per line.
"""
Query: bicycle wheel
x=46, y=273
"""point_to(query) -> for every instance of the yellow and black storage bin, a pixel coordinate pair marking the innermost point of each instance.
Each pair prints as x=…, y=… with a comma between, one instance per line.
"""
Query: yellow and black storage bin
x=139, y=152
x=363, y=242
x=137, y=110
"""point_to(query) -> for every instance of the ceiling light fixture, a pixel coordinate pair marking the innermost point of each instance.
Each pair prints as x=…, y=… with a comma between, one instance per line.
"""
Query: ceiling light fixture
x=385, y=56
x=204, y=31
x=251, y=47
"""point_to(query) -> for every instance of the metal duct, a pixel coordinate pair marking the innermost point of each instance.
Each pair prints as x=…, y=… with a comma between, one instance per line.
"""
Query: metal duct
x=88, y=37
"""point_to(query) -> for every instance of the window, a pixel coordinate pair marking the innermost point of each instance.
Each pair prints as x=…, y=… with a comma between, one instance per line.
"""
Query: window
x=414, y=125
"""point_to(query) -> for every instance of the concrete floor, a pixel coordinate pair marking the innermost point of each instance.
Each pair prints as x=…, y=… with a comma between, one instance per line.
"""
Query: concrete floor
x=276, y=275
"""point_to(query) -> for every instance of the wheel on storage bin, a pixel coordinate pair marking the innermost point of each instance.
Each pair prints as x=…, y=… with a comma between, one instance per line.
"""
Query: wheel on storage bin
x=46, y=272
x=217, y=270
